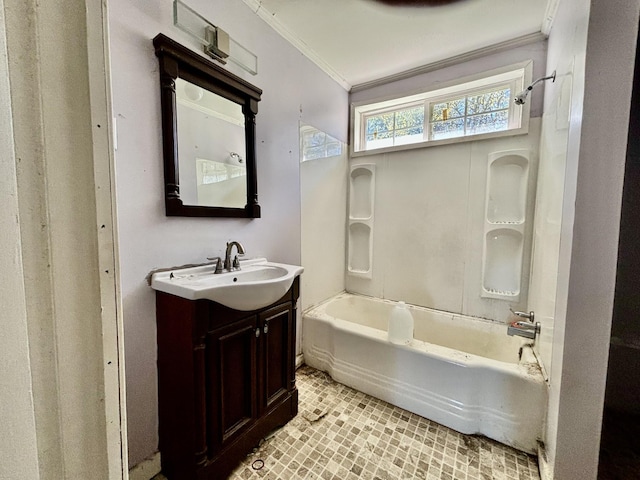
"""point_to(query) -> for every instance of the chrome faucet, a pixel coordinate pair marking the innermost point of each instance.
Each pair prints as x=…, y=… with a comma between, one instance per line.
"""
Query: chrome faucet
x=228, y=265
x=529, y=316
x=523, y=329
x=527, y=329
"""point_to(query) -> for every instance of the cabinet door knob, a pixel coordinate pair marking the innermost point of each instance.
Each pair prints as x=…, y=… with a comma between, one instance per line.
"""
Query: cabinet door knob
x=266, y=328
x=257, y=332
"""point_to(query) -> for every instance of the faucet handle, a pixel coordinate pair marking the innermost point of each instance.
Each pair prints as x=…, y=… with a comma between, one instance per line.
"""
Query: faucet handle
x=218, y=264
x=236, y=263
x=529, y=316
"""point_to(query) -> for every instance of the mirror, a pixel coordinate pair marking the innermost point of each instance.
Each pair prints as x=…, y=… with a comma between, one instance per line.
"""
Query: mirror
x=208, y=131
x=211, y=148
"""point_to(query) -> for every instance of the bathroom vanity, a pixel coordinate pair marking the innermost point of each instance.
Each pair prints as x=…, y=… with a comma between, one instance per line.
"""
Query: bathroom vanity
x=226, y=378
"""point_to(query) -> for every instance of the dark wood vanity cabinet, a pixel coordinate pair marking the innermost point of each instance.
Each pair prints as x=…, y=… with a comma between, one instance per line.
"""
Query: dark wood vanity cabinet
x=226, y=378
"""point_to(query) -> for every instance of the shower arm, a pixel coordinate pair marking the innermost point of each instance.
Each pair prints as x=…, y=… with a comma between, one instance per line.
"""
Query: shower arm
x=551, y=77
x=522, y=96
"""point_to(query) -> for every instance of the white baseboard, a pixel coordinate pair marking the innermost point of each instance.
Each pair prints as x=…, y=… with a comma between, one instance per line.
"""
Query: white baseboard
x=299, y=361
x=147, y=469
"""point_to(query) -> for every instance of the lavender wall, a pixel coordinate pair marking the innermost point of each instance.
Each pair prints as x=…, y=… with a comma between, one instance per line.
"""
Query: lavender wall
x=294, y=89
x=536, y=51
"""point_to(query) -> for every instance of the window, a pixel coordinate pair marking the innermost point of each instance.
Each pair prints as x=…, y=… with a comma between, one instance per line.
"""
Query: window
x=471, y=114
x=397, y=127
x=482, y=106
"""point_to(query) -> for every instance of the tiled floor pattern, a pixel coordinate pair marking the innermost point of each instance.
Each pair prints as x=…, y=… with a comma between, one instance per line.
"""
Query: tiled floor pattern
x=343, y=434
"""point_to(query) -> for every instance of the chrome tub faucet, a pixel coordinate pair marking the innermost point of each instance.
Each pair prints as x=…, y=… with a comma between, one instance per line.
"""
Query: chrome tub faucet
x=523, y=329
x=526, y=329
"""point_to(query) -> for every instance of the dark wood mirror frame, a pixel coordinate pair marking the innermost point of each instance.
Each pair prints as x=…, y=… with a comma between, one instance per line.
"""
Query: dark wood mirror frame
x=177, y=61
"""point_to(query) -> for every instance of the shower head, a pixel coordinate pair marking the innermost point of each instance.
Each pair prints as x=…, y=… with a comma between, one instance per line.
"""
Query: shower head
x=521, y=98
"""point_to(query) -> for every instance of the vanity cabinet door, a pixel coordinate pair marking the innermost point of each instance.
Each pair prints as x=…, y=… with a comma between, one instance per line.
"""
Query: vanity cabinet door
x=277, y=354
x=232, y=360
x=225, y=380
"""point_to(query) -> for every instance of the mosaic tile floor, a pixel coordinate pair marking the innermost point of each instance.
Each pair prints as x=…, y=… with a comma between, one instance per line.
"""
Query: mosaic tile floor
x=343, y=434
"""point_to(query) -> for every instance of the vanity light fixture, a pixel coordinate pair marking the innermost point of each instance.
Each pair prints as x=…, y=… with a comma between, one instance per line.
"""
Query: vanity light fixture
x=216, y=42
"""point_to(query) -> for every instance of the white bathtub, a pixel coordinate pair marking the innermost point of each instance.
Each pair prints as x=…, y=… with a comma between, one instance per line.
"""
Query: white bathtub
x=461, y=372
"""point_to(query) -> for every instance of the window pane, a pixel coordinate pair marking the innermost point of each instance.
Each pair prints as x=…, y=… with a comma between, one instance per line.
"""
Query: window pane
x=317, y=144
x=410, y=117
x=334, y=149
x=379, y=136
x=379, y=140
x=447, y=110
x=380, y=123
x=488, y=122
x=313, y=138
x=479, y=107
x=448, y=129
x=313, y=153
x=409, y=135
x=488, y=102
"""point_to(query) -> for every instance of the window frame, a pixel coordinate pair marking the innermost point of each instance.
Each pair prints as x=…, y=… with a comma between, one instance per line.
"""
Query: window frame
x=516, y=76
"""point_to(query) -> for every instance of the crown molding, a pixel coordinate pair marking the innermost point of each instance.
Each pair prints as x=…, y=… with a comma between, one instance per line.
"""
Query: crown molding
x=273, y=22
x=549, y=16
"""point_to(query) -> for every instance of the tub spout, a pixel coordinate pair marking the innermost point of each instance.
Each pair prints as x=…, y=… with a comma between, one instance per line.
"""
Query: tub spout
x=523, y=329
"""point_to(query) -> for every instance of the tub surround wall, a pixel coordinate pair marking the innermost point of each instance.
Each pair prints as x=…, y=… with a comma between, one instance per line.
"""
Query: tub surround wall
x=430, y=226
x=548, y=211
x=593, y=42
x=362, y=190
x=323, y=185
x=431, y=202
x=294, y=89
x=505, y=224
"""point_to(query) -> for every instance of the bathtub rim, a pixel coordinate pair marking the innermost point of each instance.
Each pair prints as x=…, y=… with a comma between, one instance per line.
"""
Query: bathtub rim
x=527, y=367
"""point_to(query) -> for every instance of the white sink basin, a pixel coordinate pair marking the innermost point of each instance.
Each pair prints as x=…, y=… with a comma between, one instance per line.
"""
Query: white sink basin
x=257, y=284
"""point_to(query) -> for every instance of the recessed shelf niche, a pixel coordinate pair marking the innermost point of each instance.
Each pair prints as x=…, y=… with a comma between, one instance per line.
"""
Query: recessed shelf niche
x=359, y=248
x=505, y=221
x=503, y=261
x=506, y=200
x=360, y=232
x=361, y=193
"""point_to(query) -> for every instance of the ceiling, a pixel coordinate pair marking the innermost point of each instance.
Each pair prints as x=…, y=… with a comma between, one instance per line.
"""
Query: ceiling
x=359, y=41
